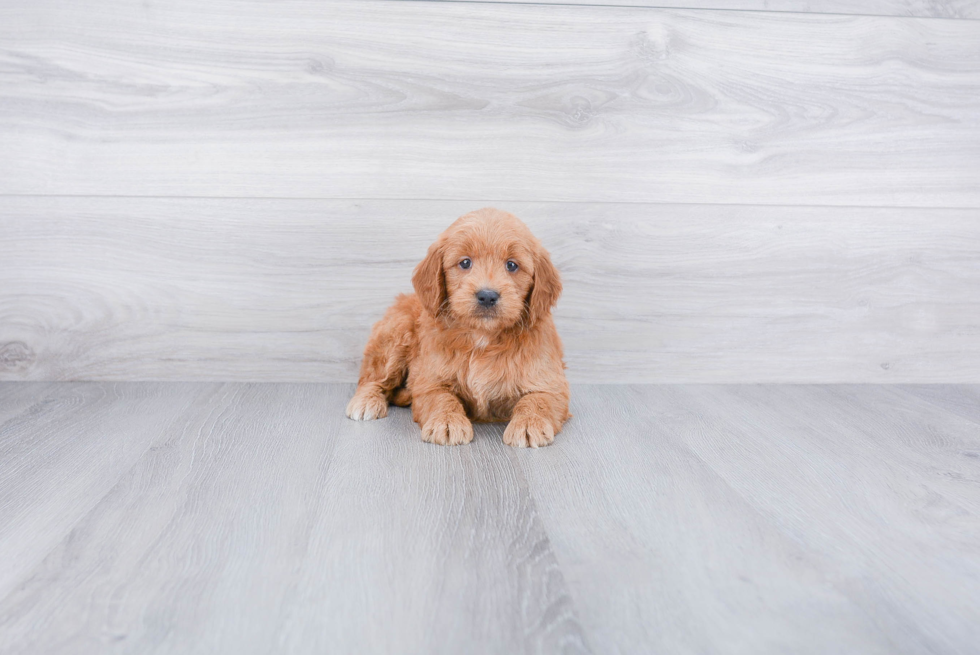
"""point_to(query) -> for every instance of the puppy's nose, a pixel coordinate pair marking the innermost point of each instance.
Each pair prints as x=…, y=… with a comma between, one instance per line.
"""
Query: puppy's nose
x=487, y=297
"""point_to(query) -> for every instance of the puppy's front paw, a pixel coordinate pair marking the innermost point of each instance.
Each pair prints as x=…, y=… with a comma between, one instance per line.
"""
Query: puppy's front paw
x=448, y=430
x=529, y=430
x=367, y=405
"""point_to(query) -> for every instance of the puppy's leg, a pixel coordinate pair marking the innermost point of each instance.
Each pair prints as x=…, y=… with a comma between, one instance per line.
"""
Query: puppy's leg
x=537, y=418
x=442, y=418
x=385, y=364
x=401, y=397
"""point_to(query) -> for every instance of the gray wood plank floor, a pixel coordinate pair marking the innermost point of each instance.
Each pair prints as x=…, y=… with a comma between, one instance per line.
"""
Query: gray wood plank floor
x=254, y=518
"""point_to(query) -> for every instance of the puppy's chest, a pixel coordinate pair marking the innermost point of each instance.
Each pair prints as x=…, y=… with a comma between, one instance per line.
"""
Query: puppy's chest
x=490, y=384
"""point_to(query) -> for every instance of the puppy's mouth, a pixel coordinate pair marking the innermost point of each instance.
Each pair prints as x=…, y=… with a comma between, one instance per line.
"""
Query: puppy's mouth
x=486, y=313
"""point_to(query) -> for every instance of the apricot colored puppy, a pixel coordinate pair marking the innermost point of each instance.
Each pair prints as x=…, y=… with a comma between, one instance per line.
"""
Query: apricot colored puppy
x=476, y=340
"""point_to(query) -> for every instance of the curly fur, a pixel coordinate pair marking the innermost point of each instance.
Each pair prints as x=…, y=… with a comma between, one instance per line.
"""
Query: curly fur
x=455, y=361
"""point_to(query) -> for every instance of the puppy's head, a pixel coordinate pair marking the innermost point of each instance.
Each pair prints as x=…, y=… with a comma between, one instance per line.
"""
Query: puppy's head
x=488, y=272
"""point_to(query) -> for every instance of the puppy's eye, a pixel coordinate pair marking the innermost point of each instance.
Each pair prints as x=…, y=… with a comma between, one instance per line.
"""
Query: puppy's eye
x=512, y=266
x=465, y=264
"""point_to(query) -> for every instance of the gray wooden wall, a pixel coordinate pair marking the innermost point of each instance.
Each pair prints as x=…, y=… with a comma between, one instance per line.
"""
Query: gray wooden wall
x=774, y=191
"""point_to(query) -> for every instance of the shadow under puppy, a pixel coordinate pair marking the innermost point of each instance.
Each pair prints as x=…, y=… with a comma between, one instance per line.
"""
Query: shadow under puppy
x=475, y=341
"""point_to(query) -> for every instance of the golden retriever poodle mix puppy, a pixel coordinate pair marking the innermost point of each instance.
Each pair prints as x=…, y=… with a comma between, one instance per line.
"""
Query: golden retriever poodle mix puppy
x=476, y=340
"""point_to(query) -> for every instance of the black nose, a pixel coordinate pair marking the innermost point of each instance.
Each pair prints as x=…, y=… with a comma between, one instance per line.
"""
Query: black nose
x=487, y=297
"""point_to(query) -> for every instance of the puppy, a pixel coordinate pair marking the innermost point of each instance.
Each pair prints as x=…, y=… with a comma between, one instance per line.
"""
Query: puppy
x=476, y=340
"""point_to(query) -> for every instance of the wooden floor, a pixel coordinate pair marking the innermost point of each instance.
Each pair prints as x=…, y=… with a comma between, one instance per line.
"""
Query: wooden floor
x=255, y=518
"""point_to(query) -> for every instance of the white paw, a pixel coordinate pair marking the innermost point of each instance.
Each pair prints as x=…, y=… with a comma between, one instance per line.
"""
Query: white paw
x=367, y=406
x=448, y=430
x=532, y=431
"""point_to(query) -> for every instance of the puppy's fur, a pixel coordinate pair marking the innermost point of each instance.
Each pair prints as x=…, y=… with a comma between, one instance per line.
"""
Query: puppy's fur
x=454, y=359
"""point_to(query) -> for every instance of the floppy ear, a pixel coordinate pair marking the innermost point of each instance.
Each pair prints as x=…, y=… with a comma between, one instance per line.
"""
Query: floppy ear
x=430, y=281
x=547, y=286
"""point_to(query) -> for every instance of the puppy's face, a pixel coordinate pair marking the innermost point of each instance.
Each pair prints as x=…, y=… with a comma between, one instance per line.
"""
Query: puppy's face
x=488, y=273
x=488, y=277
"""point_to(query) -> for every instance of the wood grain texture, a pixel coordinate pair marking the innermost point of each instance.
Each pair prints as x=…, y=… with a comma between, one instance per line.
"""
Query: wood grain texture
x=960, y=400
x=963, y=9
x=59, y=459
x=702, y=519
x=265, y=521
x=442, y=544
x=255, y=518
x=474, y=100
x=130, y=289
x=17, y=398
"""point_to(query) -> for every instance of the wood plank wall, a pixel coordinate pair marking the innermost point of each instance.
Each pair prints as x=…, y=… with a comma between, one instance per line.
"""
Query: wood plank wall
x=236, y=190
x=968, y=9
